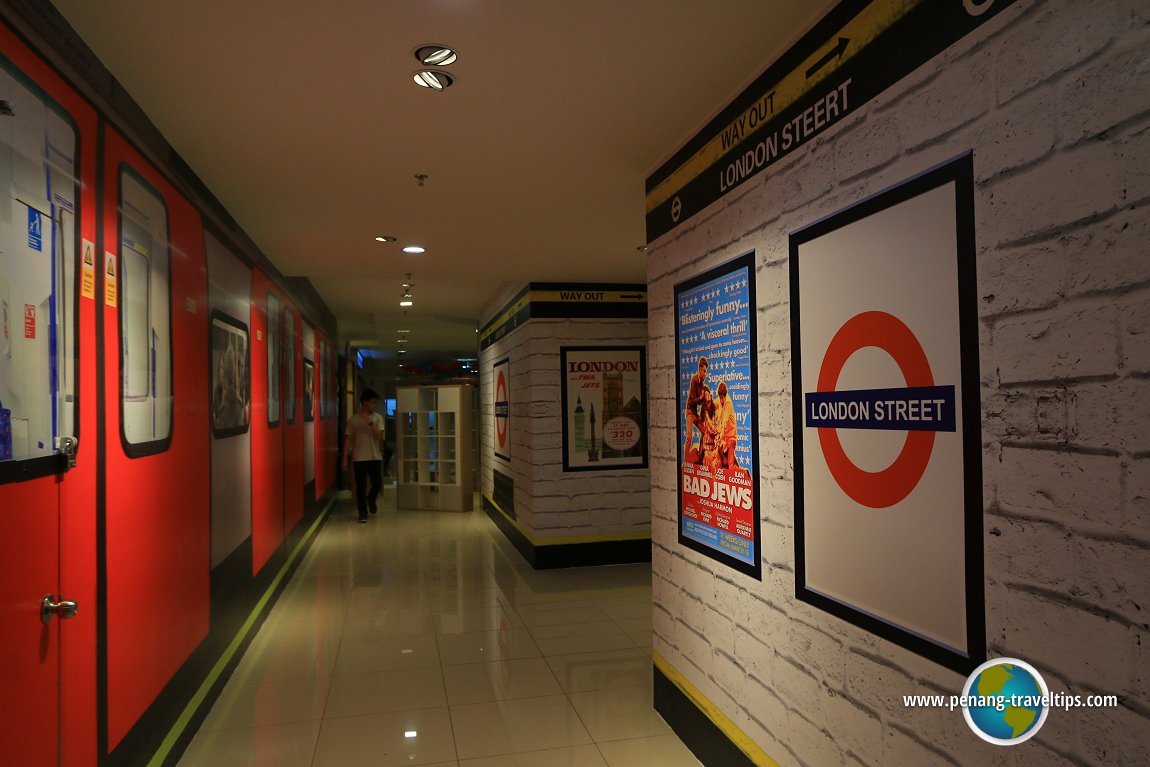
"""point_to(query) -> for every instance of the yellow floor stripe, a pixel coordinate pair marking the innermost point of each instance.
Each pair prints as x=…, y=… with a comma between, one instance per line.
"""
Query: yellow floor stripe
x=731, y=730
x=218, y=669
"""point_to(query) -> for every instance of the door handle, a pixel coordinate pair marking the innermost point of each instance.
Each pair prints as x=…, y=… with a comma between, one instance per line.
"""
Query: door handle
x=50, y=607
x=67, y=446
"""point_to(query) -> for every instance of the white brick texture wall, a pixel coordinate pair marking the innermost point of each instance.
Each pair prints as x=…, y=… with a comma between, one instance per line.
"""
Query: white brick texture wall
x=549, y=502
x=1053, y=98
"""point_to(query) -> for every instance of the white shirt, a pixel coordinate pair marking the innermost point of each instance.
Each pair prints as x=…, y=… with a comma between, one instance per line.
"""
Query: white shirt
x=364, y=445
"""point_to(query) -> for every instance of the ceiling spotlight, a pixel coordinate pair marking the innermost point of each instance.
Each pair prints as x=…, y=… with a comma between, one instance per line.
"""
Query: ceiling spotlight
x=436, y=81
x=406, y=303
x=385, y=238
x=642, y=248
x=435, y=55
x=403, y=331
x=414, y=249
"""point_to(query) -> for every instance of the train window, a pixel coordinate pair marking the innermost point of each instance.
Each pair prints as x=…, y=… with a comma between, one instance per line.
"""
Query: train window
x=289, y=364
x=325, y=391
x=275, y=352
x=38, y=238
x=308, y=390
x=145, y=319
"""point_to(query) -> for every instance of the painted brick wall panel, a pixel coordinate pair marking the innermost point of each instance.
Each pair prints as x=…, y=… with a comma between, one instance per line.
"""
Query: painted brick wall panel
x=1138, y=497
x=1058, y=36
x=1018, y=211
x=1097, y=649
x=1105, y=94
x=1058, y=345
x=1031, y=552
x=1067, y=486
x=1008, y=139
x=1134, y=320
x=1109, y=255
x=1031, y=276
x=1112, y=415
x=1058, y=131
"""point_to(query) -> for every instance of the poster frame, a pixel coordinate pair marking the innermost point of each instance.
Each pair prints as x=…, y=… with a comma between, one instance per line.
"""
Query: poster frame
x=505, y=363
x=638, y=462
x=230, y=325
x=960, y=172
x=746, y=261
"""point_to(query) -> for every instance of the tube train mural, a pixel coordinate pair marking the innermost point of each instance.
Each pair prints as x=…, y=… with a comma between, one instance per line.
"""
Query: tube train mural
x=167, y=428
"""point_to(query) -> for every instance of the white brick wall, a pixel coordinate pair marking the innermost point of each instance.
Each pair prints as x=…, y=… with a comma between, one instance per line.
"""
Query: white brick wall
x=548, y=501
x=1054, y=100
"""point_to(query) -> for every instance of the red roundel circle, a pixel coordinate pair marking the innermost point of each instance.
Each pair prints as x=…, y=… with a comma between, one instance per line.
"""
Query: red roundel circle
x=877, y=489
x=501, y=396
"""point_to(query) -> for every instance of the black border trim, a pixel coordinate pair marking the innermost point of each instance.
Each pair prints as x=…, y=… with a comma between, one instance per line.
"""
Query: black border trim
x=745, y=261
x=643, y=457
x=960, y=172
x=698, y=733
x=592, y=554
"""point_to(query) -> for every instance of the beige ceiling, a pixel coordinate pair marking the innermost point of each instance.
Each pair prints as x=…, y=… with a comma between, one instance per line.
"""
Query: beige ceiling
x=302, y=118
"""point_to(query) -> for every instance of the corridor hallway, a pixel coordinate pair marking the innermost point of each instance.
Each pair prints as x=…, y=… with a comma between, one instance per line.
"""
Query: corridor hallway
x=424, y=638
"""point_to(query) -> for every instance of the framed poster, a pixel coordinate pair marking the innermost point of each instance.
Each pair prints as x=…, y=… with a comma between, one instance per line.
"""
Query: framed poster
x=888, y=467
x=308, y=390
x=718, y=421
x=231, y=376
x=501, y=387
x=604, y=407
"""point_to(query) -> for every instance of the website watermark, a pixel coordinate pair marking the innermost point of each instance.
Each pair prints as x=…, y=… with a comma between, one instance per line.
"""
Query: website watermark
x=1059, y=700
x=1005, y=701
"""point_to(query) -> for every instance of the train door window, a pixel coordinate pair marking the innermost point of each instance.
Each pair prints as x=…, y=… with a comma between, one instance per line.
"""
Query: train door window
x=275, y=351
x=145, y=319
x=289, y=364
x=38, y=238
x=324, y=395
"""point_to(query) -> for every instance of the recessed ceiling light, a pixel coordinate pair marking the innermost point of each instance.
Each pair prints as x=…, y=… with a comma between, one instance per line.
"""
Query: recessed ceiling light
x=385, y=238
x=401, y=340
x=436, y=81
x=433, y=55
x=406, y=302
x=414, y=249
x=410, y=733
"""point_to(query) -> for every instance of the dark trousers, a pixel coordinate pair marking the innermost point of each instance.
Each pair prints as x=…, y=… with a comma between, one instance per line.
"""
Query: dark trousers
x=364, y=496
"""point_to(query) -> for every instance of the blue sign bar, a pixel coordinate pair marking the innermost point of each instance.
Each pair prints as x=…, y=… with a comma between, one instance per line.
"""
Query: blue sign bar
x=915, y=408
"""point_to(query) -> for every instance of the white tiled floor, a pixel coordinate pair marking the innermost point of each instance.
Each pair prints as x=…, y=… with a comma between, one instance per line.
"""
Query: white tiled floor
x=423, y=638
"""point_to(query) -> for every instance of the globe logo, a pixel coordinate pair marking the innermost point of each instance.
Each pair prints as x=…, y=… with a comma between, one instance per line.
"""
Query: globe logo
x=1008, y=701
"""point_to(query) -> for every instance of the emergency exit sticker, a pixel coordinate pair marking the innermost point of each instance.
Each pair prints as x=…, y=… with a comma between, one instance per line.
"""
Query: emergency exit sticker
x=29, y=320
x=88, y=271
x=111, y=295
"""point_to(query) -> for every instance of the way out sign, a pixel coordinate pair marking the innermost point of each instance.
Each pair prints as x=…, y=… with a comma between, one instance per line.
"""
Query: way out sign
x=888, y=482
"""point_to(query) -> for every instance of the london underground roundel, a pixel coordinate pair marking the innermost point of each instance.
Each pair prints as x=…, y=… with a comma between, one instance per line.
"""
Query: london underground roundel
x=502, y=409
x=921, y=407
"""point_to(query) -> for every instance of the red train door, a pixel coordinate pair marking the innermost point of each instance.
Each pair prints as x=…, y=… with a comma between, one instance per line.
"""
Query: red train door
x=45, y=352
x=156, y=527
x=268, y=417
